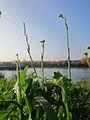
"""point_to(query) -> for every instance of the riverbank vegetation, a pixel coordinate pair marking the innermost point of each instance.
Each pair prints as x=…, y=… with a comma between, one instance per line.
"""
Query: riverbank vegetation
x=33, y=99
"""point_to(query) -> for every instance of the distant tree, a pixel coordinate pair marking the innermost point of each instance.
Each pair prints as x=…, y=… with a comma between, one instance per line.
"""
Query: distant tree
x=87, y=58
x=83, y=61
x=88, y=47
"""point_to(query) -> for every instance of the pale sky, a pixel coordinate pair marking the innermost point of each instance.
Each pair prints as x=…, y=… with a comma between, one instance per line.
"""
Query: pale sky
x=43, y=23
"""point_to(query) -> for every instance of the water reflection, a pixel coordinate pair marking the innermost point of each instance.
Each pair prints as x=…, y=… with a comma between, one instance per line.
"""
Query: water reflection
x=77, y=73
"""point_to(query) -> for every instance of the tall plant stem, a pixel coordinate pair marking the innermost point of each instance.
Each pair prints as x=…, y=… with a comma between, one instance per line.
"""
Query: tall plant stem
x=0, y=14
x=69, y=68
x=64, y=99
x=28, y=49
x=19, y=86
x=67, y=42
x=42, y=56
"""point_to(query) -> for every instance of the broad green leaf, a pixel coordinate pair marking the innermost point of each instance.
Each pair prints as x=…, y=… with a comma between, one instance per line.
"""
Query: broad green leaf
x=16, y=90
x=23, y=83
x=57, y=75
x=29, y=106
x=47, y=108
x=23, y=75
x=64, y=99
x=2, y=116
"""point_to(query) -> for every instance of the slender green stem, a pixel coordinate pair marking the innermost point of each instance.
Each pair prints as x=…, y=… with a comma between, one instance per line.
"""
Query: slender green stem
x=42, y=56
x=0, y=14
x=64, y=99
x=28, y=49
x=69, y=69
x=19, y=85
x=67, y=41
x=88, y=62
x=42, y=67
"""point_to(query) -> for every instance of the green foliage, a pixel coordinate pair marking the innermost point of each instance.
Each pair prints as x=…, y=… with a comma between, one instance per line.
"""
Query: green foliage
x=1, y=76
x=57, y=99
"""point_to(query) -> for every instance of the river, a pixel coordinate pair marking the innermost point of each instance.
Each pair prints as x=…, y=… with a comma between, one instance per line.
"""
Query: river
x=77, y=73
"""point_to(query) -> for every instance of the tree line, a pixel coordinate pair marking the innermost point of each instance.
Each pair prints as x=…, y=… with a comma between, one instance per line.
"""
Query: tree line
x=74, y=63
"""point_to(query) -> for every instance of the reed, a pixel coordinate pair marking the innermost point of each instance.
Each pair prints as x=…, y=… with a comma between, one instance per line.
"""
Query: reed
x=28, y=48
x=42, y=56
x=67, y=42
x=0, y=14
x=20, y=99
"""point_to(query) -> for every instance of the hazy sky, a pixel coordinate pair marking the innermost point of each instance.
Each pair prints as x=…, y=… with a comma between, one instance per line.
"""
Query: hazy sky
x=42, y=22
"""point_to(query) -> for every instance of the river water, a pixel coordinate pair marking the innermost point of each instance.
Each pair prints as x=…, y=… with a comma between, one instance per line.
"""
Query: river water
x=77, y=73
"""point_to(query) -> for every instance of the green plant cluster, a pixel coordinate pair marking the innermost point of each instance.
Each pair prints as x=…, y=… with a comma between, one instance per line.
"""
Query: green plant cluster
x=33, y=99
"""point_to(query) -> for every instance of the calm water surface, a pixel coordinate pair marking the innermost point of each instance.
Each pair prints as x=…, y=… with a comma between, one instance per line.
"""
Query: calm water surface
x=77, y=73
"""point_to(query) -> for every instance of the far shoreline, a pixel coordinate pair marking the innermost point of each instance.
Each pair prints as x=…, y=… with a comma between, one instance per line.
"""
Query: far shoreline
x=47, y=64
x=49, y=67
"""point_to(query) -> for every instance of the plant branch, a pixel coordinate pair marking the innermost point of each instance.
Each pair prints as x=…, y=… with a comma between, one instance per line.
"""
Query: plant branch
x=28, y=49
